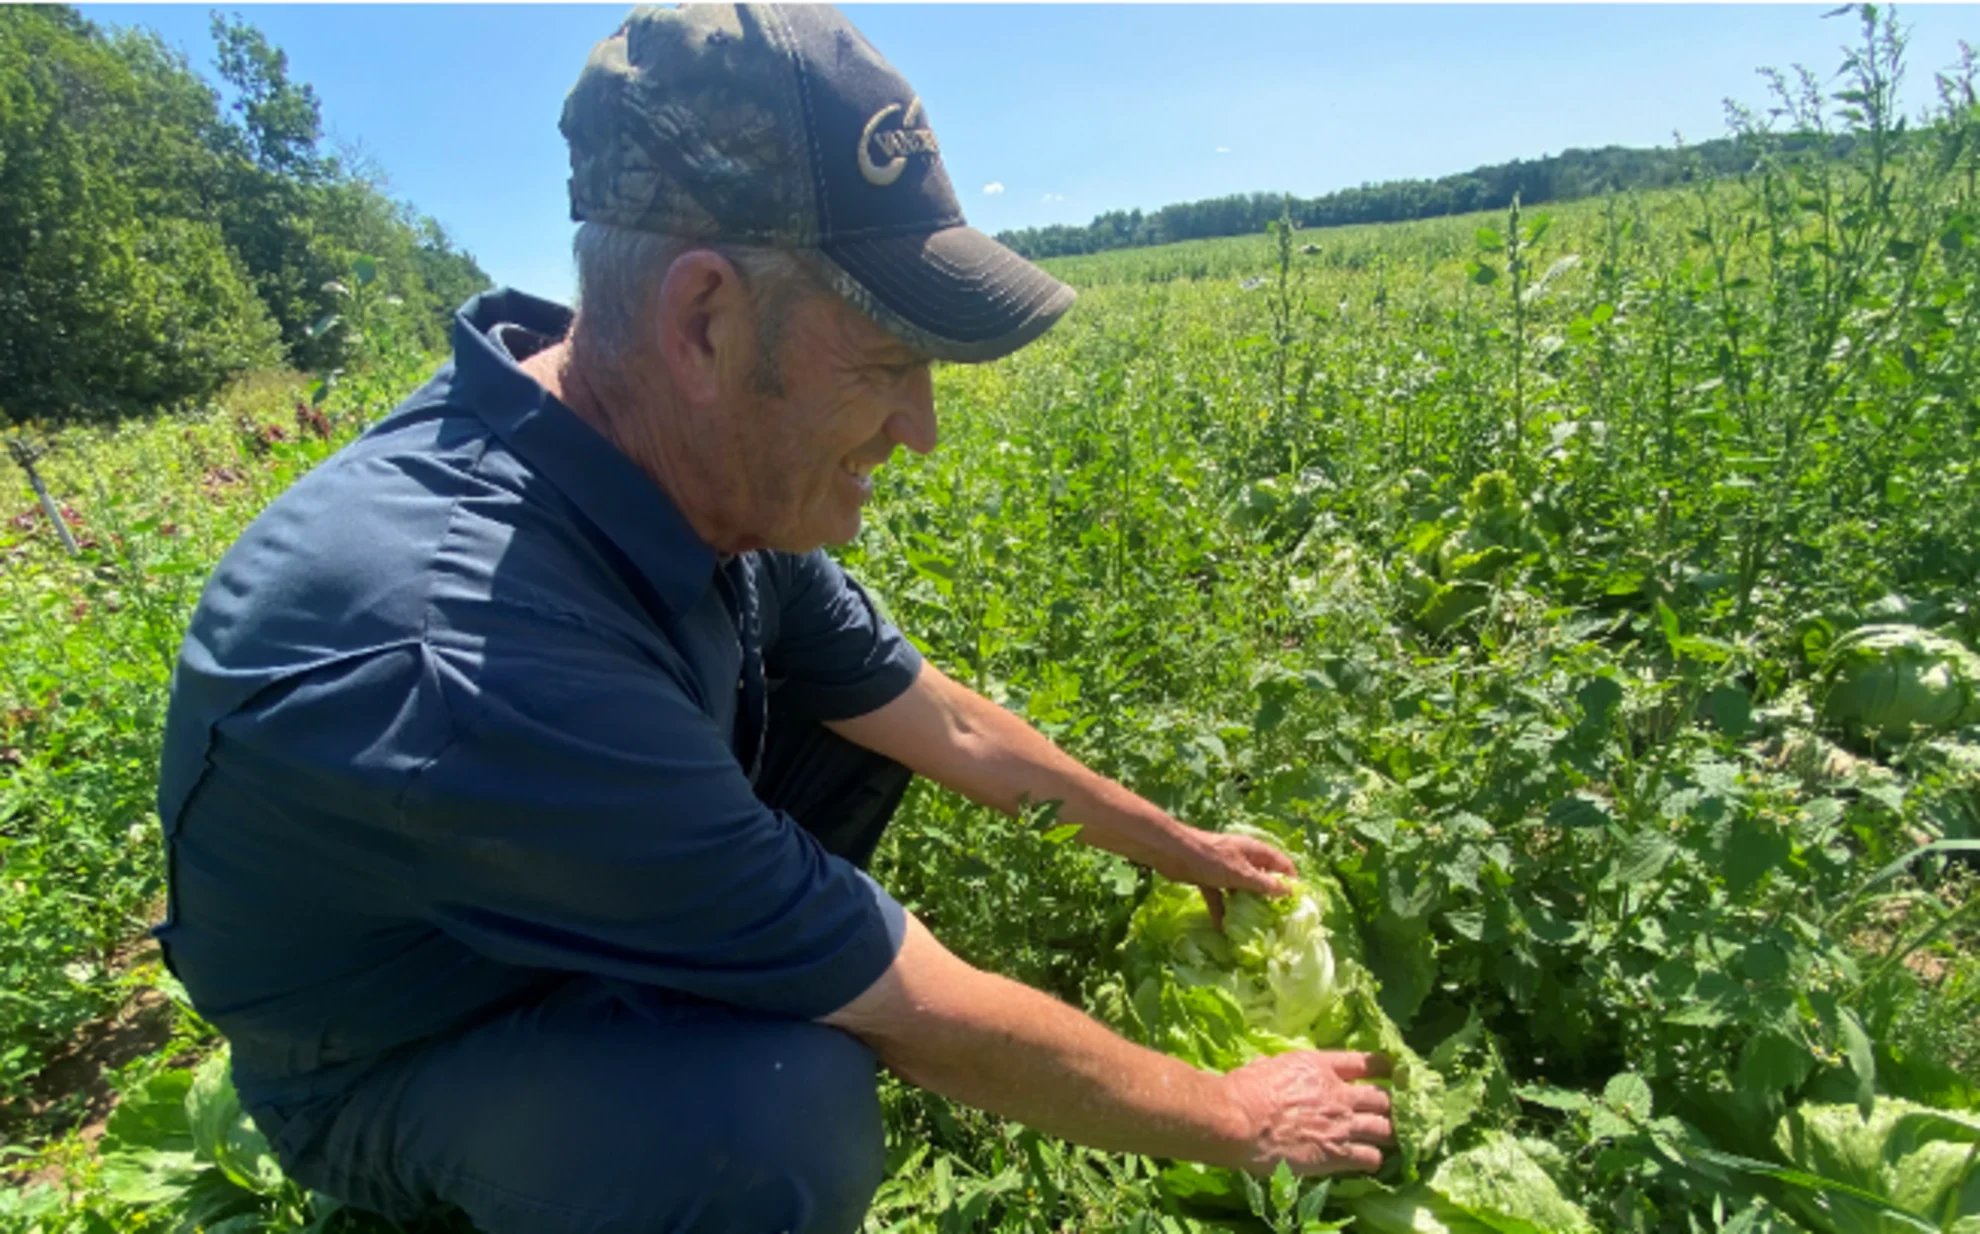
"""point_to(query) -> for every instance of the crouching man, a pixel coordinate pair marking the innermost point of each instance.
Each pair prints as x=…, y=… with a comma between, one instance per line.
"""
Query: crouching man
x=524, y=759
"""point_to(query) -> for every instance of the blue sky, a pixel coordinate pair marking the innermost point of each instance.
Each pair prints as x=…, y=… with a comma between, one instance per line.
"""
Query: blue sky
x=1073, y=109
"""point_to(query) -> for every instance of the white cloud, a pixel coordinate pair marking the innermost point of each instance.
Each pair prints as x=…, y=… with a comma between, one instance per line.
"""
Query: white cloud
x=1223, y=149
x=994, y=187
x=1053, y=197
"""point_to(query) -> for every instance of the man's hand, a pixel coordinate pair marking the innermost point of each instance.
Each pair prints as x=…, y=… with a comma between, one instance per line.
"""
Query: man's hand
x=1304, y=1108
x=943, y=730
x=999, y=1046
x=1218, y=863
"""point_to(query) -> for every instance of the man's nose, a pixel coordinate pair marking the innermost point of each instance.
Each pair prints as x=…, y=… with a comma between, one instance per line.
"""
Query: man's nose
x=914, y=424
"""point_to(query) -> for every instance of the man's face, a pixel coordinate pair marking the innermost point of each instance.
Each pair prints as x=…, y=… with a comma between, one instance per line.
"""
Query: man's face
x=851, y=393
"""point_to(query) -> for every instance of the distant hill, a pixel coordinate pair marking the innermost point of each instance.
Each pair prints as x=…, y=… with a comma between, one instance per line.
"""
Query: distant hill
x=1559, y=177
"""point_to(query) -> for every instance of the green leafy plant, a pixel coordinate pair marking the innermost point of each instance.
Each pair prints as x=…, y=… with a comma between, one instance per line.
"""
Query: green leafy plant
x=1899, y=682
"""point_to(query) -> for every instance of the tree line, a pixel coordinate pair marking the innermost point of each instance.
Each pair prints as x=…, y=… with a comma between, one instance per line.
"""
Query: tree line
x=1561, y=177
x=156, y=239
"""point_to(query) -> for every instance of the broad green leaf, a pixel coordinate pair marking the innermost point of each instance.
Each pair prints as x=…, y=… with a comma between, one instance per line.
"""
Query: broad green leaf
x=1699, y=1015
x=1753, y=850
x=1312, y=1202
x=1598, y=698
x=147, y=1177
x=1579, y=810
x=152, y=1116
x=1254, y=1197
x=1703, y=648
x=1805, y=1181
x=1862, y=1059
x=1770, y=1064
x=211, y=1199
x=1731, y=709
x=223, y=1133
x=933, y=565
x=1629, y=1093
x=1567, y=1100
x=1667, y=620
x=1552, y=928
x=945, y=1182
x=1285, y=1189
x=1466, y=923
x=1764, y=960
x=1899, y=1159
x=1495, y=1187
x=1644, y=857
x=1890, y=795
x=1605, y=1124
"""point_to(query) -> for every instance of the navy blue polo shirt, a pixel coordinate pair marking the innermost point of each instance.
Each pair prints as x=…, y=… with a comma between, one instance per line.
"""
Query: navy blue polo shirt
x=457, y=718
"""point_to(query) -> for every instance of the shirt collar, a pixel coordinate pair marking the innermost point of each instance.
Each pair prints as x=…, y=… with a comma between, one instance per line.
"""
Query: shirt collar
x=624, y=503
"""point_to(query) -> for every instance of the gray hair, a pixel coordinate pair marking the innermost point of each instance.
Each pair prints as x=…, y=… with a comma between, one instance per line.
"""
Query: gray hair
x=620, y=270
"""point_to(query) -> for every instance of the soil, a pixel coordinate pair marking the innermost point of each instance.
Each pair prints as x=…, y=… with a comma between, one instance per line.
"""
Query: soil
x=72, y=1093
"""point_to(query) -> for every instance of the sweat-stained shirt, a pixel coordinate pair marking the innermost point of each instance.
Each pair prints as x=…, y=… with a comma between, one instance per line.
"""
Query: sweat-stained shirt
x=458, y=717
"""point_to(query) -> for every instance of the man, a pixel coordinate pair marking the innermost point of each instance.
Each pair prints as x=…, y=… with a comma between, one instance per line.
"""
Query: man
x=523, y=760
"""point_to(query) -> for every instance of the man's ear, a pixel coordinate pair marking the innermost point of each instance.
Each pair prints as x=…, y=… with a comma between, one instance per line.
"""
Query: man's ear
x=705, y=324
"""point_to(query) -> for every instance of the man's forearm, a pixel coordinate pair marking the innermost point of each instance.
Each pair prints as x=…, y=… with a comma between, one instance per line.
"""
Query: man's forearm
x=959, y=739
x=999, y=1046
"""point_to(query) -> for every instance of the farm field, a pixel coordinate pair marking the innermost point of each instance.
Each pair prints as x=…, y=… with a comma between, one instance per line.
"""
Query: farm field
x=1510, y=570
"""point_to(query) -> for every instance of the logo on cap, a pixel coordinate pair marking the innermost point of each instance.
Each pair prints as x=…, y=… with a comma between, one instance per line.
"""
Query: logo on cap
x=912, y=136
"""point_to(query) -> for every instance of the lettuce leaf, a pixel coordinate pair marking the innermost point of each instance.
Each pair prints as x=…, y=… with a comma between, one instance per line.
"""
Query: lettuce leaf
x=1492, y=1188
x=1285, y=973
x=1901, y=681
x=1917, y=1159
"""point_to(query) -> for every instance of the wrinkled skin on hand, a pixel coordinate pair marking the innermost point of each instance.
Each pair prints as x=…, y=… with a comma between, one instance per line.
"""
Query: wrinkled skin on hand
x=1218, y=862
x=1310, y=1109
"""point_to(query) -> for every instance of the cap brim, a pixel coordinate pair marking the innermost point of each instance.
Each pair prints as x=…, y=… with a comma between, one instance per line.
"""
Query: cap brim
x=955, y=294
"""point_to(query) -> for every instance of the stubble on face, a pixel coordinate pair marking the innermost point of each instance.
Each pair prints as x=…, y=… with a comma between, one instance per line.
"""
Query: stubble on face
x=777, y=458
x=808, y=452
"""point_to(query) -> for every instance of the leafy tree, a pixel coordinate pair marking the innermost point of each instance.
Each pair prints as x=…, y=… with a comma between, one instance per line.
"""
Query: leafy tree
x=1566, y=176
x=112, y=297
x=152, y=244
x=281, y=121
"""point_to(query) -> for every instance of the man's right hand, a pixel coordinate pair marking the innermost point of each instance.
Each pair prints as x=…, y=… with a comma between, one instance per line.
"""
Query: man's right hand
x=994, y=1044
x=1306, y=1108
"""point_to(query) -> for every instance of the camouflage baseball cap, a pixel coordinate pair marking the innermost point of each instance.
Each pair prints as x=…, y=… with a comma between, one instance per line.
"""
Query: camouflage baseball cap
x=781, y=125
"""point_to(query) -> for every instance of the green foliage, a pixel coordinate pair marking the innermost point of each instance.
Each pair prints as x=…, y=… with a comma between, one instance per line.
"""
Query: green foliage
x=118, y=292
x=150, y=251
x=1492, y=1187
x=1568, y=176
x=280, y=120
x=1575, y=791
x=1899, y=682
x=91, y=643
x=1915, y=1159
x=179, y=1155
x=1282, y=974
x=1507, y=601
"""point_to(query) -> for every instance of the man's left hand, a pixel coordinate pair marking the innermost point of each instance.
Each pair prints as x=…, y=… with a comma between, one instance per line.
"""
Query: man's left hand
x=948, y=732
x=1218, y=862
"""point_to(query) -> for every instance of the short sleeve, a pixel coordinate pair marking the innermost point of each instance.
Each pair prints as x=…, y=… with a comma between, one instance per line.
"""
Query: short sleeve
x=587, y=816
x=835, y=656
